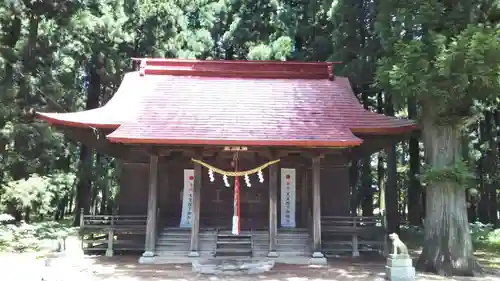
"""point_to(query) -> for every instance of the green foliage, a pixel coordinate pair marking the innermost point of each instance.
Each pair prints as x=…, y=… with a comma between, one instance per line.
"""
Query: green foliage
x=445, y=56
x=450, y=70
x=24, y=237
x=280, y=49
x=47, y=51
x=458, y=172
x=36, y=193
x=484, y=236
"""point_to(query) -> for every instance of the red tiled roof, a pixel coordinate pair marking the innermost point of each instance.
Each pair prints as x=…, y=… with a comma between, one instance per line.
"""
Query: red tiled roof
x=111, y=115
x=234, y=103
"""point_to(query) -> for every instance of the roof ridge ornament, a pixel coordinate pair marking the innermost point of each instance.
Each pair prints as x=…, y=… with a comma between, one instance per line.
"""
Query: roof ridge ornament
x=331, y=76
x=142, y=67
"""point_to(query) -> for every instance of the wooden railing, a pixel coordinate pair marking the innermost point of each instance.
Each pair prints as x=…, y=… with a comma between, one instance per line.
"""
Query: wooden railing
x=112, y=232
x=357, y=232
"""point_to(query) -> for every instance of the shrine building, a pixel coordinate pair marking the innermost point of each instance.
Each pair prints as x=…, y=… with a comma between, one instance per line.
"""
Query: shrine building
x=235, y=158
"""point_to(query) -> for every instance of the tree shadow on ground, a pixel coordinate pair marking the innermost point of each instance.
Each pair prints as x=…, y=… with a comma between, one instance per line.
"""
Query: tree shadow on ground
x=126, y=268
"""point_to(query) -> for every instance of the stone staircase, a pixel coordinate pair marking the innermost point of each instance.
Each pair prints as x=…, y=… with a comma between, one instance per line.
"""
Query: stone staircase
x=176, y=242
x=229, y=245
x=291, y=242
x=173, y=243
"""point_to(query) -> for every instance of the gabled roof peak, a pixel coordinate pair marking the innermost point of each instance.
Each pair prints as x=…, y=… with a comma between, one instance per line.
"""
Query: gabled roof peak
x=237, y=68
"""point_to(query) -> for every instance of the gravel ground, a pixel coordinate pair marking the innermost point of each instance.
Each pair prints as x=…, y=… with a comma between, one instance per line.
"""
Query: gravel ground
x=72, y=265
x=26, y=267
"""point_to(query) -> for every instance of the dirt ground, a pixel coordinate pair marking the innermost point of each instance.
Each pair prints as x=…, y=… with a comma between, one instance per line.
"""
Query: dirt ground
x=24, y=267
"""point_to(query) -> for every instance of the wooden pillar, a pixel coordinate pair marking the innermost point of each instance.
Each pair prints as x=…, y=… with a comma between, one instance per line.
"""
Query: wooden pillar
x=149, y=249
x=317, y=256
x=195, y=224
x=304, y=198
x=273, y=210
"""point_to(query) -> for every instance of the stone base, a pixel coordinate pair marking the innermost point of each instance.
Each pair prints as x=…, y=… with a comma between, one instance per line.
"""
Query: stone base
x=317, y=259
x=399, y=268
x=147, y=260
x=399, y=273
x=109, y=253
x=399, y=262
x=272, y=255
x=147, y=257
x=232, y=267
x=148, y=254
x=193, y=254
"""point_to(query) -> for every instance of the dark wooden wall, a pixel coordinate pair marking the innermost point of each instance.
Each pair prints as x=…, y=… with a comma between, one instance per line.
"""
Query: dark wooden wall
x=335, y=189
x=133, y=194
x=217, y=200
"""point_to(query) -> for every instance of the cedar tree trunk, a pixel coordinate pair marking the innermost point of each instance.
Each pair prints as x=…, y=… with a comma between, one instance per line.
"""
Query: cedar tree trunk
x=447, y=248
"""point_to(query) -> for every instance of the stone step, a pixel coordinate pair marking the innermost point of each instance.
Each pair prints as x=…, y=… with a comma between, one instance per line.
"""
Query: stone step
x=233, y=253
x=221, y=247
x=180, y=253
x=175, y=238
x=233, y=237
x=171, y=243
x=234, y=242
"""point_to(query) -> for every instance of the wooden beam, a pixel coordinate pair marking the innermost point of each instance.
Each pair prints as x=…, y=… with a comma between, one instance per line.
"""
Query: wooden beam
x=149, y=250
x=273, y=209
x=96, y=140
x=372, y=144
x=195, y=225
x=316, y=189
x=304, y=198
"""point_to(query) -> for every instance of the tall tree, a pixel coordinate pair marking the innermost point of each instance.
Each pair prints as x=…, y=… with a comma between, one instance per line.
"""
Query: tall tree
x=414, y=188
x=451, y=67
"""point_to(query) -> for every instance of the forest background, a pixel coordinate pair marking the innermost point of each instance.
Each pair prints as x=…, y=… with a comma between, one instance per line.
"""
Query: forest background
x=435, y=61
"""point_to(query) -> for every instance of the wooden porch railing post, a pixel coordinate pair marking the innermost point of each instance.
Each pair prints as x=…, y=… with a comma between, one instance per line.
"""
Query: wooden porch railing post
x=355, y=248
x=111, y=237
x=273, y=210
x=150, y=243
x=195, y=223
x=82, y=235
x=317, y=256
x=81, y=216
x=384, y=227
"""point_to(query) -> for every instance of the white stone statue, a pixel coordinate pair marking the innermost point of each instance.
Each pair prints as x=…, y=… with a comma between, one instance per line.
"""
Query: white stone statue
x=399, y=265
x=397, y=244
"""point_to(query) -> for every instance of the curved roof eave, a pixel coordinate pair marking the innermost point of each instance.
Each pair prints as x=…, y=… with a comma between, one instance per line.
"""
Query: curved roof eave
x=396, y=130
x=109, y=116
x=82, y=119
x=301, y=143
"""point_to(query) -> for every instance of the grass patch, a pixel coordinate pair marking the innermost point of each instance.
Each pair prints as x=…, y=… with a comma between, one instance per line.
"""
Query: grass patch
x=485, y=238
x=34, y=237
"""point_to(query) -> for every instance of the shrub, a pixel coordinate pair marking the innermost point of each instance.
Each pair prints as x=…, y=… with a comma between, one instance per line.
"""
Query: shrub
x=24, y=237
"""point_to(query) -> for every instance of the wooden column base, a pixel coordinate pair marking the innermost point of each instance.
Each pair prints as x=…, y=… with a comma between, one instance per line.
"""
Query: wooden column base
x=273, y=254
x=317, y=259
x=148, y=257
x=193, y=254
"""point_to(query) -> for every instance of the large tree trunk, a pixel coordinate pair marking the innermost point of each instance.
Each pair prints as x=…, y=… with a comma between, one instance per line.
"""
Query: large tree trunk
x=84, y=186
x=448, y=247
x=353, y=181
x=482, y=171
x=366, y=186
x=391, y=190
x=414, y=188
